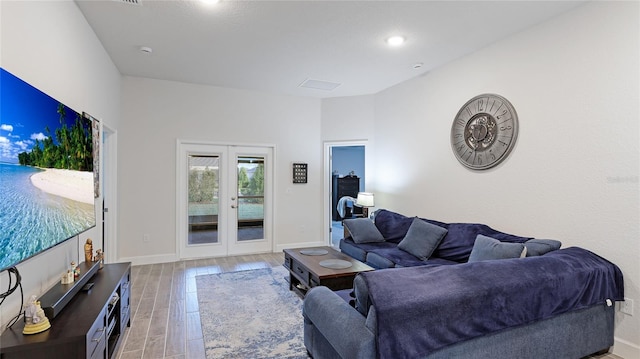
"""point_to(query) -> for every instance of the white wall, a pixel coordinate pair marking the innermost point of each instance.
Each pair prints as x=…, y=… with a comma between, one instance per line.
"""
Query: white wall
x=156, y=113
x=351, y=119
x=573, y=175
x=50, y=45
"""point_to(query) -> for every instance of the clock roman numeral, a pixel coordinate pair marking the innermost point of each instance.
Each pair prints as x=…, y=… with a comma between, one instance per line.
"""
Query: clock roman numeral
x=498, y=108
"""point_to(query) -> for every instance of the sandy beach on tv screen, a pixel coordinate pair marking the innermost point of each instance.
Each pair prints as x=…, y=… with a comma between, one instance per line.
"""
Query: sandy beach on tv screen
x=74, y=185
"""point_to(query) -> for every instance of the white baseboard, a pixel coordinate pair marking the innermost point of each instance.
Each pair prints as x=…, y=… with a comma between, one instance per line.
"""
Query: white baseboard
x=625, y=349
x=154, y=259
x=281, y=247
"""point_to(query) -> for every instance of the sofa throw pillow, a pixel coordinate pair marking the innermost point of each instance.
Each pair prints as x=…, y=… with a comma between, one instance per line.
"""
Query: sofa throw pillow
x=538, y=247
x=486, y=248
x=422, y=238
x=363, y=230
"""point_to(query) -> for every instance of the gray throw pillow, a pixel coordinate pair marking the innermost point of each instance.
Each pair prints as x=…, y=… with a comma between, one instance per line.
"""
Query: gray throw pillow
x=538, y=247
x=422, y=239
x=486, y=248
x=363, y=230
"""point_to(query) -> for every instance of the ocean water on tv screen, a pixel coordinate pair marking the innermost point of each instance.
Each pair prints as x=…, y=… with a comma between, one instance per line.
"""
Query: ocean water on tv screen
x=32, y=220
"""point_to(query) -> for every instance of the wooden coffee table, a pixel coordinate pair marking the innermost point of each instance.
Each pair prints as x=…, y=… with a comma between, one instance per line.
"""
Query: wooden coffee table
x=305, y=271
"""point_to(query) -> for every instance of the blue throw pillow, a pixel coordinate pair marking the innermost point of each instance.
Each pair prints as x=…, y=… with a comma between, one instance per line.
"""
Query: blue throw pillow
x=422, y=238
x=486, y=248
x=538, y=247
x=363, y=230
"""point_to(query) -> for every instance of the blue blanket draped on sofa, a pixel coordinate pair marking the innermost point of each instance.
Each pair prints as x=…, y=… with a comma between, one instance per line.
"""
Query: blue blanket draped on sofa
x=422, y=309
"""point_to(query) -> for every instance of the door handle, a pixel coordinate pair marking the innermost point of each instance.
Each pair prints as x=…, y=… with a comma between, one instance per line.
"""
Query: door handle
x=234, y=206
x=233, y=198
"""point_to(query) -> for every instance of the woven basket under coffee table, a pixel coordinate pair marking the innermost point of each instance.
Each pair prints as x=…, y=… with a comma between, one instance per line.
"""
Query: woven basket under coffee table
x=312, y=267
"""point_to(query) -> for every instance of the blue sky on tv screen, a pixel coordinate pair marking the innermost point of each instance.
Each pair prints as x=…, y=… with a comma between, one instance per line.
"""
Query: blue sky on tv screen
x=25, y=112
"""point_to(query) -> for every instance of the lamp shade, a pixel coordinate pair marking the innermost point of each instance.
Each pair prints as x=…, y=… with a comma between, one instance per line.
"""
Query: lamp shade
x=365, y=199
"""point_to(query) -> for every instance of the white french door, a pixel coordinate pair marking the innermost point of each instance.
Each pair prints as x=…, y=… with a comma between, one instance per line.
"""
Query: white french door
x=224, y=199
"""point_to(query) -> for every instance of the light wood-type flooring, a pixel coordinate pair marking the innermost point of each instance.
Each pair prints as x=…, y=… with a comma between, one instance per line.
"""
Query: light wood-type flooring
x=164, y=306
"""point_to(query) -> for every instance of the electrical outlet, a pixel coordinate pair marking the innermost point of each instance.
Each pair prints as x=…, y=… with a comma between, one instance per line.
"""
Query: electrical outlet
x=145, y=237
x=626, y=307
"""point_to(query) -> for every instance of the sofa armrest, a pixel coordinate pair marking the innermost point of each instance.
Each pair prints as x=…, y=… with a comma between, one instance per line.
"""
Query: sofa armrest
x=340, y=324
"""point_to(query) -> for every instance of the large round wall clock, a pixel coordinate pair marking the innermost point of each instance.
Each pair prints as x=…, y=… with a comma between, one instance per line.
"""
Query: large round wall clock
x=484, y=131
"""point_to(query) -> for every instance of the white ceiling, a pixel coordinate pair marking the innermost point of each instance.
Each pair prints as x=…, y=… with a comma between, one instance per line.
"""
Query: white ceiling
x=275, y=46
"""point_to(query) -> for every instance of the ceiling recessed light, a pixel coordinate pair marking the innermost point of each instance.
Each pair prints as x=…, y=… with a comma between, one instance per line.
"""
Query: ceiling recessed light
x=146, y=49
x=417, y=65
x=210, y=2
x=395, y=40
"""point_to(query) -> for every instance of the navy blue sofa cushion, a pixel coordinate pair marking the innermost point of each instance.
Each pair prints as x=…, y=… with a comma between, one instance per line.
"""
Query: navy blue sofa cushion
x=457, y=244
x=359, y=251
x=395, y=257
x=394, y=226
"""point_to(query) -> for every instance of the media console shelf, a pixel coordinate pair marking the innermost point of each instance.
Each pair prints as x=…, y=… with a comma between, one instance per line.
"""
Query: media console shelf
x=89, y=326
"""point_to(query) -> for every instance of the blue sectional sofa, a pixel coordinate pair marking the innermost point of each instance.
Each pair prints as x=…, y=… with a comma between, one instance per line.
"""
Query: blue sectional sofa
x=463, y=291
x=454, y=248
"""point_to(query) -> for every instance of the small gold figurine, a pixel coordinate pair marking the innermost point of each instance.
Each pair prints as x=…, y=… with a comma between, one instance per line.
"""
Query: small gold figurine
x=88, y=250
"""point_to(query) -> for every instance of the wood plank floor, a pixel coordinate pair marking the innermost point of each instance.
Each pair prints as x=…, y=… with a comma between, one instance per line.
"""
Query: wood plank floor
x=164, y=306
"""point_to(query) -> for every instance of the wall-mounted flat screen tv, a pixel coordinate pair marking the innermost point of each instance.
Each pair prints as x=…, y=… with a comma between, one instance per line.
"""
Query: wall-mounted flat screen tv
x=46, y=172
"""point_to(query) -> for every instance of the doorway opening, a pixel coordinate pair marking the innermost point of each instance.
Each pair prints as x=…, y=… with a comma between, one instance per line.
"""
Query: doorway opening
x=345, y=177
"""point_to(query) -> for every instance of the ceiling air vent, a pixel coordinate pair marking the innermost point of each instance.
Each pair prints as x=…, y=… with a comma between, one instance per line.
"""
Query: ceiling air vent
x=319, y=85
x=130, y=2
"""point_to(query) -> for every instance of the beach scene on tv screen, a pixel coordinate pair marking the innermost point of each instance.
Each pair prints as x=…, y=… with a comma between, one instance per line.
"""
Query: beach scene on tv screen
x=46, y=171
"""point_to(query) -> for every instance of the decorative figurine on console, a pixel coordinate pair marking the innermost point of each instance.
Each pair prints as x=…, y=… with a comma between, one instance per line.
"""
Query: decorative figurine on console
x=35, y=320
x=99, y=257
x=67, y=278
x=88, y=250
x=75, y=270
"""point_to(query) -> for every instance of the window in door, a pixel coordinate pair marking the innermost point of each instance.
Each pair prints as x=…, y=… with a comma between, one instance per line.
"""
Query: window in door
x=203, y=197
x=250, y=197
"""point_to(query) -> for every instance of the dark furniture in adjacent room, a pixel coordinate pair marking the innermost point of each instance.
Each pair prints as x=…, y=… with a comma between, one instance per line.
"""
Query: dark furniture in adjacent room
x=341, y=187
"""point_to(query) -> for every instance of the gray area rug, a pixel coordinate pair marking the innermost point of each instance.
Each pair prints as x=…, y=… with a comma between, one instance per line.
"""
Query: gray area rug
x=250, y=314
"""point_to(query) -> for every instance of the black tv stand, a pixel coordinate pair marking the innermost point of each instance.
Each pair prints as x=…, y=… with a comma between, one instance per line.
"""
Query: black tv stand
x=89, y=326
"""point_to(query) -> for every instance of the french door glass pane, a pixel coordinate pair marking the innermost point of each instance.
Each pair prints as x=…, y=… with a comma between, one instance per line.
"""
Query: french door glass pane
x=204, y=184
x=250, y=198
